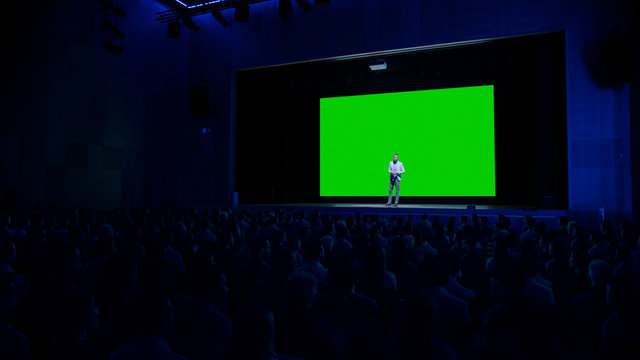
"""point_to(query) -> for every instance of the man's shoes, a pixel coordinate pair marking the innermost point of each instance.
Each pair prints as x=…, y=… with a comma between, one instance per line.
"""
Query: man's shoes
x=387, y=204
x=395, y=205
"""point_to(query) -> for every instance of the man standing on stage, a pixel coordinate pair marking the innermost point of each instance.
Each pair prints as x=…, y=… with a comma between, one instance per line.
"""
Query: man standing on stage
x=395, y=171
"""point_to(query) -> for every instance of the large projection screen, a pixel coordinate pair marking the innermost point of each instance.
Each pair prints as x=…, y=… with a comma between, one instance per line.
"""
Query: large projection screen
x=444, y=138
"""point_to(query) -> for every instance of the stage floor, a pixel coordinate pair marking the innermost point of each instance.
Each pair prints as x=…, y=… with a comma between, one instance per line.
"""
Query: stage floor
x=410, y=209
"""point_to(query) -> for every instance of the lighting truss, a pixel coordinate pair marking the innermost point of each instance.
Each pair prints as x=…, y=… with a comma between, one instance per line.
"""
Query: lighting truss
x=109, y=24
x=186, y=9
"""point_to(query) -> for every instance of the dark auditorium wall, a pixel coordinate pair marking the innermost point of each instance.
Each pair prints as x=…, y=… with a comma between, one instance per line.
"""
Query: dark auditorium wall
x=84, y=127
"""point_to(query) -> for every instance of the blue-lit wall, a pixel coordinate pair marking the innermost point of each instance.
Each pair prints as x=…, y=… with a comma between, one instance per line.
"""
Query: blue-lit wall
x=84, y=127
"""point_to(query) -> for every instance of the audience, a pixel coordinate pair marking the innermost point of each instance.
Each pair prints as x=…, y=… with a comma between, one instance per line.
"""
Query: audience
x=417, y=339
x=623, y=326
x=299, y=333
x=153, y=322
x=434, y=276
x=13, y=343
x=374, y=272
x=253, y=333
x=314, y=264
x=595, y=298
x=255, y=284
x=342, y=296
x=202, y=314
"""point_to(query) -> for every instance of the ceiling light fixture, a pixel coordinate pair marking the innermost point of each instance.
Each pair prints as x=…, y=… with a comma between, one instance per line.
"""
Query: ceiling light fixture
x=284, y=9
x=242, y=11
x=378, y=64
x=304, y=5
x=218, y=16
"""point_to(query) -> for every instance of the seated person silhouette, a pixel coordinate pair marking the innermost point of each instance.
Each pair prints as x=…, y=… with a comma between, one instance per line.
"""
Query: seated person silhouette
x=419, y=314
x=153, y=323
x=342, y=296
x=299, y=333
x=253, y=333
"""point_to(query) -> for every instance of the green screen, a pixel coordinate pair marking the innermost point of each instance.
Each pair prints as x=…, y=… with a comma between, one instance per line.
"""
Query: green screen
x=444, y=138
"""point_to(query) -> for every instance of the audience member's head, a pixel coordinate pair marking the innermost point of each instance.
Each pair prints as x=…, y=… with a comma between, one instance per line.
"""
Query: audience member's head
x=579, y=260
x=119, y=275
x=302, y=288
x=606, y=228
x=77, y=315
x=623, y=292
x=342, y=231
x=469, y=243
x=315, y=251
x=341, y=275
x=327, y=243
x=434, y=271
x=563, y=221
x=105, y=244
x=374, y=263
x=283, y=263
x=599, y=273
x=258, y=246
x=253, y=332
x=507, y=284
x=419, y=316
x=500, y=246
x=208, y=281
x=8, y=294
x=503, y=223
x=558, y=250
x=529, y=223
x=7, y=252
x=152, y=314
x=65, y=260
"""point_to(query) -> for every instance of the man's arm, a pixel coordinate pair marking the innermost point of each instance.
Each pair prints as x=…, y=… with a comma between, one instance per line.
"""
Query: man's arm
x=401, y=169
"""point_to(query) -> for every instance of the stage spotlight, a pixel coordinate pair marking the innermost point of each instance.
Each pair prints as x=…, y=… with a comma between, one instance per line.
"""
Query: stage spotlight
x=216, y=15
x=116, y=32
x=113, y=48
x=113, y=8
x=323, y=3
x=189, y=23
x=242, y=11
x=304, y=4
x=173, y=29
x=285, y=9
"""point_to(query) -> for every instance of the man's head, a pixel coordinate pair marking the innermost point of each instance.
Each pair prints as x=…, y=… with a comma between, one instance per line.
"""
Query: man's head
x=395, y=157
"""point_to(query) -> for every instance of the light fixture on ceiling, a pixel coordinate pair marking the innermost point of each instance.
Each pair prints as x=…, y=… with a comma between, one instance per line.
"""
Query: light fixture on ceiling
x=284, y=9
x=218, y=16
x=378, y=64
x=112, y=8
x=190, y=24
x=113, y=48
x=242, y=11
x=110, y=25
x=304, y=5
x=114, y=30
